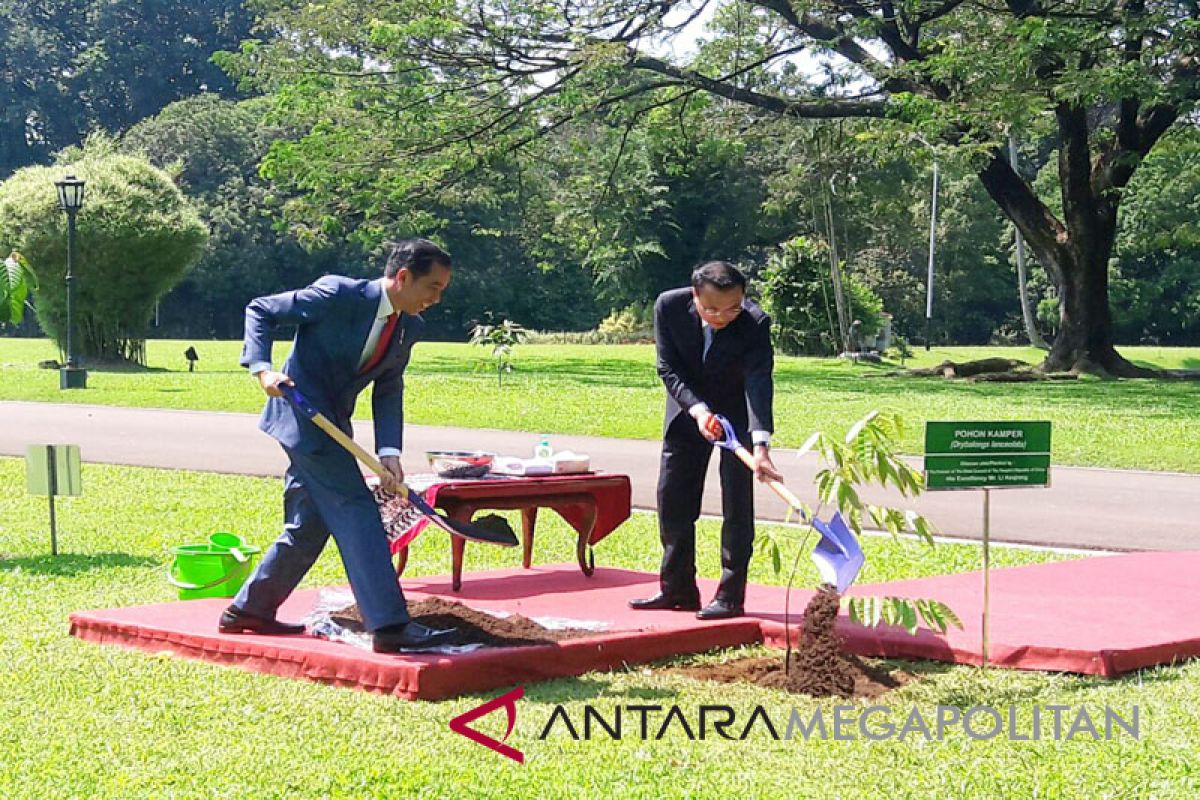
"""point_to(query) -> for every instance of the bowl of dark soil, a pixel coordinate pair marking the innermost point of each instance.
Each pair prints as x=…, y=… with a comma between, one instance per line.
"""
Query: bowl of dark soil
x=460, y=463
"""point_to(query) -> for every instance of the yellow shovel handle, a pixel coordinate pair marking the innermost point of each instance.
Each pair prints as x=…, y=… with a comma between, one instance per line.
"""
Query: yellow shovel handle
x=354, y=447
x=776, y=486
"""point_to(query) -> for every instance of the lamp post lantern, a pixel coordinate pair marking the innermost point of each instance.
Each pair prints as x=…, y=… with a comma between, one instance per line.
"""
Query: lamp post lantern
x=70, y=200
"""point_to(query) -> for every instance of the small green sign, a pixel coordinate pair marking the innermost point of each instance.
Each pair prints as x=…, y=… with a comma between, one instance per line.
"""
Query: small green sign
x=980, y=455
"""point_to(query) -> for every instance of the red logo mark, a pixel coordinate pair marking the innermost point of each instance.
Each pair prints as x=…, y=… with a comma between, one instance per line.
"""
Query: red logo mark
x=509, y=702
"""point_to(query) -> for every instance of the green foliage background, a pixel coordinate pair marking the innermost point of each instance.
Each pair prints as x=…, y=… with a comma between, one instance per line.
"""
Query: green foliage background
x=136, y=236
x=798, y=294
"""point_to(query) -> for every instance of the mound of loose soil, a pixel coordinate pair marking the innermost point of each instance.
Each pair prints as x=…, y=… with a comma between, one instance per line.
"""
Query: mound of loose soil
x=471, y=626
x=818, y=665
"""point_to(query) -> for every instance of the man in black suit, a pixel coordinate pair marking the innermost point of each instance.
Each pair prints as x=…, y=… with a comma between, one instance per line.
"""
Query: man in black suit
x=715, y=357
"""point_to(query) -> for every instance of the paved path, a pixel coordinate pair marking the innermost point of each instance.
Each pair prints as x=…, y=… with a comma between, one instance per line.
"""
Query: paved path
x=1086, y=508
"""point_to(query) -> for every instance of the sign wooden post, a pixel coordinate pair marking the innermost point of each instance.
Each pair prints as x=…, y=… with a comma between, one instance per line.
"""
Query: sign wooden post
x=52, y=470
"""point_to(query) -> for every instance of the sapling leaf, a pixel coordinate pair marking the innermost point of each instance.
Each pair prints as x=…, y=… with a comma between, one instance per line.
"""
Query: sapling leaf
x=852, y=434
x=808, y=444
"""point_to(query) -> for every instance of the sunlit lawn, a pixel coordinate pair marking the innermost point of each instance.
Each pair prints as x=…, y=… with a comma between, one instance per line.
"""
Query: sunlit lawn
x=614, y=391
x=81, y=720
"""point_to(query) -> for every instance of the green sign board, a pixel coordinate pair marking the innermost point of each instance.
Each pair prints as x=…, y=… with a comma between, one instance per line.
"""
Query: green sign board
x=981, y=455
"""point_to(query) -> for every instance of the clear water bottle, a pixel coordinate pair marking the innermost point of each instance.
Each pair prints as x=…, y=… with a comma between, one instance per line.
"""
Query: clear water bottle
x=543, y=448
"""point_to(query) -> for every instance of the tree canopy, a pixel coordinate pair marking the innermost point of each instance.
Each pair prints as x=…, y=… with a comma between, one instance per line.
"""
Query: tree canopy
x=407, y=98
x=68, y=67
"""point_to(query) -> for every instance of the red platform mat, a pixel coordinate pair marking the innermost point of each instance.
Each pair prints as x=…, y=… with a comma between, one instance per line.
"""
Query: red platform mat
x=190, y=629
x=1104, y=615
x=1099, y=616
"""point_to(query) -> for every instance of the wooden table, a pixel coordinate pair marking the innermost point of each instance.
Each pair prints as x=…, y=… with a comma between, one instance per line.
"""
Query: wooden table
x=594, y=504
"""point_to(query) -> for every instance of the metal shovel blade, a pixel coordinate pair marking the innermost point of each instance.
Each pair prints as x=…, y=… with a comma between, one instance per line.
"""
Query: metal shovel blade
x=465, y=530
x=838, y=556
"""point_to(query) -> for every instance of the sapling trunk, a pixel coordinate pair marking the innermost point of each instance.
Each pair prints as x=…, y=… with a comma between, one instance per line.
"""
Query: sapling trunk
x=787, y=606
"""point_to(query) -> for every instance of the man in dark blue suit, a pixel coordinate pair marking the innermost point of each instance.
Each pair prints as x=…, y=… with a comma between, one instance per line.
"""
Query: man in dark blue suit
x=350, y=333
x=714, y=357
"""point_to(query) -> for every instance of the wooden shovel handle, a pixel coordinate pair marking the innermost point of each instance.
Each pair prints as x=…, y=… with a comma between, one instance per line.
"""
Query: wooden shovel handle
x=776, y=486
x=354, y=447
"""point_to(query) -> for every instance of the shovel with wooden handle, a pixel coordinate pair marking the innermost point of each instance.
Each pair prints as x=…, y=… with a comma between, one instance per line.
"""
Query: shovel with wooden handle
x=837, y=553
x=465, y=530
x=730, y=442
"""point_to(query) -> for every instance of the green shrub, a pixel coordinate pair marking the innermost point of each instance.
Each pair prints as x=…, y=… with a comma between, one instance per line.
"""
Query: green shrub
x=633, y=324
x=798, y=294
x=135, y=238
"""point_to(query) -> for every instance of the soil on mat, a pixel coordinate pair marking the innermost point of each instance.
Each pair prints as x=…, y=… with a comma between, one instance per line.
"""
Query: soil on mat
x=471, y=626
x=819, y=667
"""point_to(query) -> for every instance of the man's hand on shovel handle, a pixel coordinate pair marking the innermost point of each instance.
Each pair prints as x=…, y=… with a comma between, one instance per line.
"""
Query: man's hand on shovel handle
x=710, y=426
x=270, y=381
x=391, y=480
x=764, y=468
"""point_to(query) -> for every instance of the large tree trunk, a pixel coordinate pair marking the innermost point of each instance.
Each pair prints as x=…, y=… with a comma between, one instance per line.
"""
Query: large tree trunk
x=1084, y=343
x=1076, y=257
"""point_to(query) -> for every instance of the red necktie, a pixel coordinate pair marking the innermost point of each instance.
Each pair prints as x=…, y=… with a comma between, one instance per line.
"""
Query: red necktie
x=385, y=336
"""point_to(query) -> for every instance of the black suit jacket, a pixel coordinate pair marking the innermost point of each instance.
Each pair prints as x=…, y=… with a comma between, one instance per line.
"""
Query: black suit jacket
x=734, y=380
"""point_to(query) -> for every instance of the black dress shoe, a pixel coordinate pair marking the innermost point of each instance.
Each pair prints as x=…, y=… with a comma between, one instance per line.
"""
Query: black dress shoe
x=720, y=609
x=666, y=602
x=410, y=636
x=234, y=620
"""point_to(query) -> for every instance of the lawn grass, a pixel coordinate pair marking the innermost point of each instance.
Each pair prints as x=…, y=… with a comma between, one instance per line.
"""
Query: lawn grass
x=613, y=391
x=81, y=720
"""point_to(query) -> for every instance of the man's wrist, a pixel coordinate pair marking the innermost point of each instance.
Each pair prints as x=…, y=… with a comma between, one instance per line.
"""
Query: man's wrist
x=761, y=438
x=257, y=367
x=385, y=452
x=698, y=410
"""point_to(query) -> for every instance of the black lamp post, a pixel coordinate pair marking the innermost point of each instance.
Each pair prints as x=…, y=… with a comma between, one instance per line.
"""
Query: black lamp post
x=70, y=200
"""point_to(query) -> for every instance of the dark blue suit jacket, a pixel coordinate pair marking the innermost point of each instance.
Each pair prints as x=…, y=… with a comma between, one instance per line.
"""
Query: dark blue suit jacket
x=332, y=317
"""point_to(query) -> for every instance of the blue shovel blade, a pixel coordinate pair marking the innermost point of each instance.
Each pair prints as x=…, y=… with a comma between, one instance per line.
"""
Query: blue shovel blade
x=837, y=555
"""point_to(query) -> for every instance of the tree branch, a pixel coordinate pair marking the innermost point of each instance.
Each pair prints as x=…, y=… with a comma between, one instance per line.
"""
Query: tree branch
x=1044, y=232
x=810, y=109
x=889, y=31
x=939, y=11
x=1074, y=168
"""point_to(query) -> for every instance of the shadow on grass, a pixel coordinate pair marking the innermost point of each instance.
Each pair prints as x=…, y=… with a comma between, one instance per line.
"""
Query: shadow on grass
x=124, y=369
x=803, y=377
x=69, y=564
x=609, y=371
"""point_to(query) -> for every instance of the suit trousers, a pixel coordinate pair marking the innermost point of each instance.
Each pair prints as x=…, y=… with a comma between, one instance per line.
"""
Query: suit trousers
x=685, y=456
x=316, y=506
